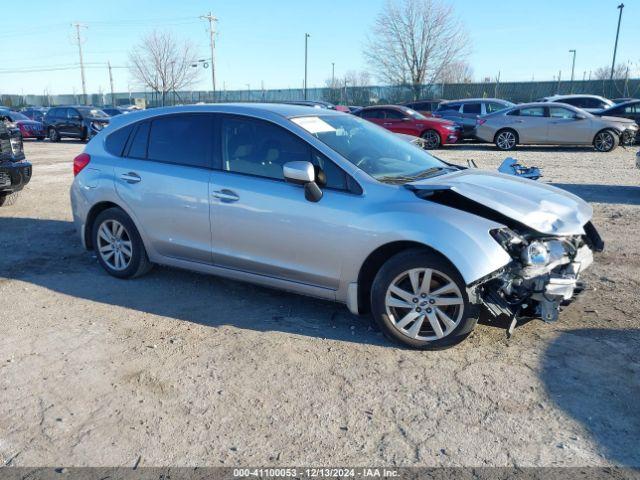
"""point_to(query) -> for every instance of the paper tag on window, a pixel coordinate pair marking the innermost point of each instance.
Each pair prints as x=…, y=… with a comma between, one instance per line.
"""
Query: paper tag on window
x=313, y=124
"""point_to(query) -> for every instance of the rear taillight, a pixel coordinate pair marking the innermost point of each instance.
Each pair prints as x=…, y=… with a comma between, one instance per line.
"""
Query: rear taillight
x=80, y=162
x=480, y=121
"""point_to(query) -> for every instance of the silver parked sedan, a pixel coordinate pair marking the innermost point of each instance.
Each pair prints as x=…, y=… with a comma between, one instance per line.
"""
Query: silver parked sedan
x=329, y=205
x=552, y=124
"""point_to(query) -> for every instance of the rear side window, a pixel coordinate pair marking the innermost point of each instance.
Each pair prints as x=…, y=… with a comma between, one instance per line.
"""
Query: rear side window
x=494, y=107
x=138, y=142
x=181, y=139
x=393, y=114
x=115, y=142
x=473, y=108
x=529, y=112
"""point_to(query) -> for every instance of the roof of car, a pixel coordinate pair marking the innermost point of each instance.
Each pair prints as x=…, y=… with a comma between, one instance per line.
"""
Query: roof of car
x=576, y=95
x=463, y=100
x=256, y=109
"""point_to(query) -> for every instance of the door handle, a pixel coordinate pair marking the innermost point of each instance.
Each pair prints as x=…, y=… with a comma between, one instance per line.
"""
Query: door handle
x=518, y=121
x=131, y=177
x=226, y=195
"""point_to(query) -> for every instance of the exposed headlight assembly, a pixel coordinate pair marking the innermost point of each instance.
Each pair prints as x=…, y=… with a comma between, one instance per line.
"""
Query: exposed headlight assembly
x=536, y=254
x=16, y=145
x=510, y=240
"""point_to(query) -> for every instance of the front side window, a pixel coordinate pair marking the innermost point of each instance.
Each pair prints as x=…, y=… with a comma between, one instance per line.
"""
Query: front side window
x=449, y=107
x=259, y=148
x=72, y=114
x=393, y=114
x=376, y=151
x=373, y=113
x=181, y=139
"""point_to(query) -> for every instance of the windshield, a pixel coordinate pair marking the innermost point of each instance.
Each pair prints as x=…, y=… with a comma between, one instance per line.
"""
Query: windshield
x=415, y=115
x=15, y=116
x=382, y=154
x=93, y=112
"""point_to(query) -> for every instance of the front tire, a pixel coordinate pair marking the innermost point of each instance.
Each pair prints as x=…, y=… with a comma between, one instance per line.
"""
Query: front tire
x=8, y=199
x=118, y=245
x=506, y=139
x=54, y=136
x=419, y=300
x=431, y=140
x=606, y=141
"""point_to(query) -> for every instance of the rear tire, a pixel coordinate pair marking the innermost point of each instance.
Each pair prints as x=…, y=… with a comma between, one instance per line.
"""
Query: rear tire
x=420, y=301
x=8, y=199
x=606, y=141
x=118, y=245
x=431, y=139
x=506, y=139
x=54, y=136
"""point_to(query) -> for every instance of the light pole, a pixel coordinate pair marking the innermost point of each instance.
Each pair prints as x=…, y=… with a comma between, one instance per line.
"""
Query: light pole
x=306, y=42
x=615, y=48
x=573, y=68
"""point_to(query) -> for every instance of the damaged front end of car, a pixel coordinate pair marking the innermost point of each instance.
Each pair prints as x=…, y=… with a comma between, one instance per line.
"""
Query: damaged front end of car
x=547, y=233
x=544, y=274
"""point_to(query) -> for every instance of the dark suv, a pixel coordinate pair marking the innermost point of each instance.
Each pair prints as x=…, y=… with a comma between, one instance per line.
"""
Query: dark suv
x=15, y=172
x=74, y=122
x=466, y=112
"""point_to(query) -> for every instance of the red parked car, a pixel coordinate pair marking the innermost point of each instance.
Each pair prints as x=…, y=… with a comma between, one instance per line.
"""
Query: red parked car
x=434, y=131
x=28, y=128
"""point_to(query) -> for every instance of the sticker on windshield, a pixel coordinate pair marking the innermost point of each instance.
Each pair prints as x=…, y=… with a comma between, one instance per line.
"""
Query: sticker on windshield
x=314, y=124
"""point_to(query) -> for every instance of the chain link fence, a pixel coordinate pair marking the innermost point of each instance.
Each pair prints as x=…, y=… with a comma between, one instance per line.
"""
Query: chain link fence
x=514, y=91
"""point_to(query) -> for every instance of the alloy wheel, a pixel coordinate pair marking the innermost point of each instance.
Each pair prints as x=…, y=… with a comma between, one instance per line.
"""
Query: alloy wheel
x=506, y=140
x=431, y=139
x=424, y=304
x=114, y=245
x=604, y=142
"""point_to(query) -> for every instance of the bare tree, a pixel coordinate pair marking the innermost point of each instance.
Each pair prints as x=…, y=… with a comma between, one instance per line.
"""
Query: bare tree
x=414, y=41
x=338, y=88
x=456, y=72
x=163, y=64
x=603, y=73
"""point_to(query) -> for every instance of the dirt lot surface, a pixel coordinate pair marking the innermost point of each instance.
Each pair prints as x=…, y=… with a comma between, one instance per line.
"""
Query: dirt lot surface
x=177, y=368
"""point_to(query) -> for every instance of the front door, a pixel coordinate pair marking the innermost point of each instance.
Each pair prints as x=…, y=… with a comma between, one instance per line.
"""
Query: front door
x=531, y=124
x=166, y=186
x=566, y=128
x=264, y=225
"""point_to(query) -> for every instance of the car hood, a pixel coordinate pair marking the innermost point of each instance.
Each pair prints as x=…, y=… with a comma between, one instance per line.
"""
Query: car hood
x=29, y=122
x=543, y=208
x=98, y=119
x=618, y=119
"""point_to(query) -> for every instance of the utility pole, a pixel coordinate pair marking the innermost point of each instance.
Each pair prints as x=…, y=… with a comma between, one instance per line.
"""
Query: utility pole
x=615, y=48
x=212, y=43
x=306, y=40
x=113, y=103
x=573, y=68
x=79, y=40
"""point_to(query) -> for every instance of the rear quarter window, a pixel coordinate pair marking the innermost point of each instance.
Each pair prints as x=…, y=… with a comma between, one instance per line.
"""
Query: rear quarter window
x=116, y=141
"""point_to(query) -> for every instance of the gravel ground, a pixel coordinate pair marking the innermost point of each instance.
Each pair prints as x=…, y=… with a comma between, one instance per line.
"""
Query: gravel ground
x=177, y=368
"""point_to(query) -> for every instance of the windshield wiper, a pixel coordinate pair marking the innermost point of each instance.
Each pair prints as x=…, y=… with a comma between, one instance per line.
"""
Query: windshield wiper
x=429, y=172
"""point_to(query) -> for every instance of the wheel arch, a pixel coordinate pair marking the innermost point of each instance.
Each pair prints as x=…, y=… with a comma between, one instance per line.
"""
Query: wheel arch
x=502, y=129
x=377, y=258
x=96, y=210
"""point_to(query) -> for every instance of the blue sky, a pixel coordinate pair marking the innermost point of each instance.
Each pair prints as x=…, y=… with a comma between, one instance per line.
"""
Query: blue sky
x=263, y=40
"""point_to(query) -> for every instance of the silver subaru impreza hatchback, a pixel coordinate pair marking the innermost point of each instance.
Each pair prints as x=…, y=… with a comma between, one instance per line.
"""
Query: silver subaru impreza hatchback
x=325, y=204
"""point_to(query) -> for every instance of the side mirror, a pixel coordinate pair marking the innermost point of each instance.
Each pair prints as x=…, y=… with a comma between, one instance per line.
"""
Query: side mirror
x=303, y=173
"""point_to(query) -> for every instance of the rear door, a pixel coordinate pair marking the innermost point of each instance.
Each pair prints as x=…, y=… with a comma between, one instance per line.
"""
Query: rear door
x=470, y=113
x=164, y=181
x=73, y=124
x=374, y=115
x=566, y=128
x=531, y=124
